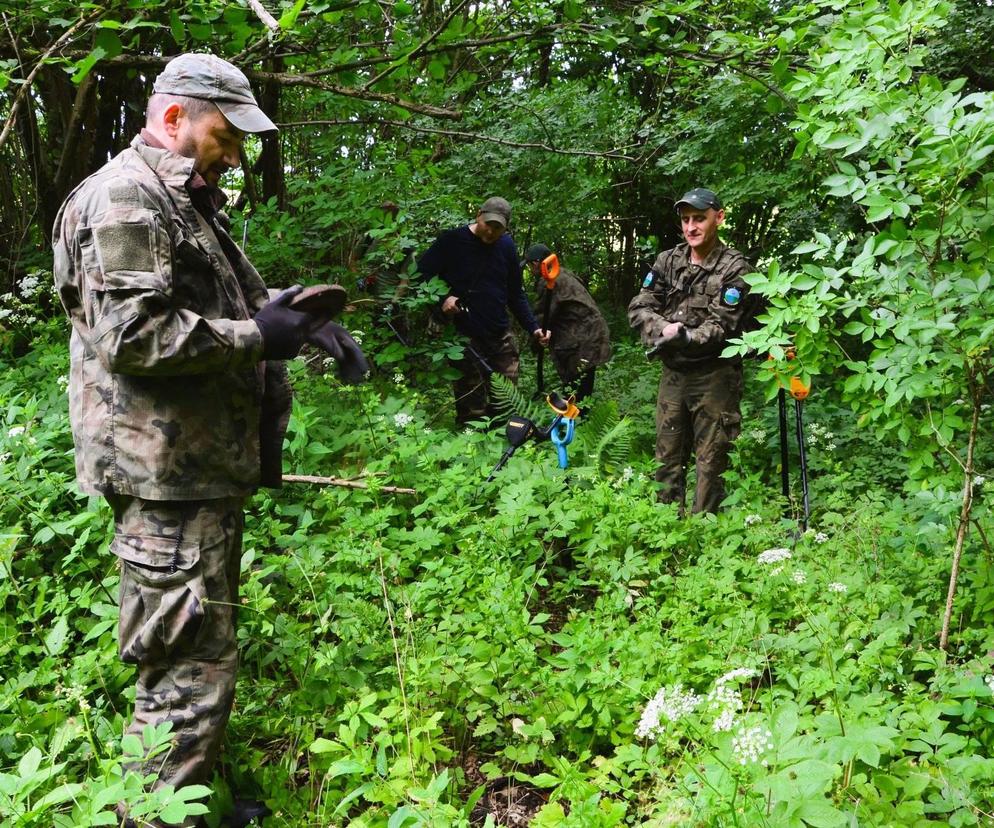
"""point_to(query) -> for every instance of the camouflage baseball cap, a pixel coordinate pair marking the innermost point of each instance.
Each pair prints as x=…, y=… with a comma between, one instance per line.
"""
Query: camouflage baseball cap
x=496, y=209
x=700, y=199
x=216, y=80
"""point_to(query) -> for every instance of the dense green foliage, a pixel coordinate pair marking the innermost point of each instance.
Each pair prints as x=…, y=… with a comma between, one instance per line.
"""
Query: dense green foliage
x=398, y=650
x=408, y=658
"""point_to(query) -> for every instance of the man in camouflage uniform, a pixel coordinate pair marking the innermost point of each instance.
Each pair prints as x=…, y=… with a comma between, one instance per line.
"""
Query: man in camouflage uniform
x=693, y=300
x=479, y=263
x=178, y=396
x=579, y=337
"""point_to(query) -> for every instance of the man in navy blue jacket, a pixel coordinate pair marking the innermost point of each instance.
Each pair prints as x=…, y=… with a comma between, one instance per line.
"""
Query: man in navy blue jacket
x=479, y=263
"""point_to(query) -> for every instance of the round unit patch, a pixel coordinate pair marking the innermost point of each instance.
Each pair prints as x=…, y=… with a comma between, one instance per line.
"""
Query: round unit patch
x=649, y=280
x=731, y=296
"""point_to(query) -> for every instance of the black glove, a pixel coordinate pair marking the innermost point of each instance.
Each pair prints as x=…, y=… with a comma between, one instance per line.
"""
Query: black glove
x=673, y=342
x=340, y=346
x=284, y=330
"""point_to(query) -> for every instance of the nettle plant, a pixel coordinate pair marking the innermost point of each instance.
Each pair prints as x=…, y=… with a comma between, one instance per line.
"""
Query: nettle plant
x=904, y=305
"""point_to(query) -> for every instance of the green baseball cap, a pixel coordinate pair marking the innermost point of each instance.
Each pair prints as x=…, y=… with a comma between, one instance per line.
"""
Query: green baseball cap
x=496, y=209
x=700, y=199
x=213, y=79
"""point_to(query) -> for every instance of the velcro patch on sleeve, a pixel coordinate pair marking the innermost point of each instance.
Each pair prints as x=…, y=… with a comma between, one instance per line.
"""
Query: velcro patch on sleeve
x=123, y=193
x=125, y=246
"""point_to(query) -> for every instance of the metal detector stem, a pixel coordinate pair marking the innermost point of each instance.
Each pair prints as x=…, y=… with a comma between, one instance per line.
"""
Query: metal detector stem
x=784, y=453
x=803, y=461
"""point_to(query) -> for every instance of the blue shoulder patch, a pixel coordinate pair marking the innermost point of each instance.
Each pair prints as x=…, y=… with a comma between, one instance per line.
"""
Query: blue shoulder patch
x=731, y=296
x=649, y=280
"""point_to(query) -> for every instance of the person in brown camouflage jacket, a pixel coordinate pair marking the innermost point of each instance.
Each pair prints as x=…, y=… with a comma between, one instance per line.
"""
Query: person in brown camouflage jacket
x=178, y=396
x=580, y=339
x=693, y=300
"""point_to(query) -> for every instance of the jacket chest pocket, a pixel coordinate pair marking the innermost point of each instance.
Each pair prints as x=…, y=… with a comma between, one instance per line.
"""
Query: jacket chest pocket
x=198, y=281
x=697, y=308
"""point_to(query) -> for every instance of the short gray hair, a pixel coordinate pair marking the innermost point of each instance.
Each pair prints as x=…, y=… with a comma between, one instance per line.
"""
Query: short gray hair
x=195, y=108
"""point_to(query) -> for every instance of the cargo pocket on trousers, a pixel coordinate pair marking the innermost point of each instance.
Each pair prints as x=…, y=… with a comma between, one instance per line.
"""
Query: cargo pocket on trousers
x=162, y=595
x=731, y=425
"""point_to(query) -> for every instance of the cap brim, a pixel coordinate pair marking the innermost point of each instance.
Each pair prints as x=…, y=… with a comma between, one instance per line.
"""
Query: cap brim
x=494, y=217
x=246, y=117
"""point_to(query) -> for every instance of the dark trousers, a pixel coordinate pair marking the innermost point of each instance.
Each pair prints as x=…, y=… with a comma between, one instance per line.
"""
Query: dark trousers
x=697, y=411
x=472, y=387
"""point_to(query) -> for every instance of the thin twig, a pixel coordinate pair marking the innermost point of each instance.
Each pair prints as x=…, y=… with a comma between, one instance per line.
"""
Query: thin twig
x=26, y=85
x=417, y=50
x=340, y=481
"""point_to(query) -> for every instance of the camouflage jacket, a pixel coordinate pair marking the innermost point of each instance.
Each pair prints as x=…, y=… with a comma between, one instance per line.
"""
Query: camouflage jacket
x=166, y=388
x=580, y=337
x=708, y=298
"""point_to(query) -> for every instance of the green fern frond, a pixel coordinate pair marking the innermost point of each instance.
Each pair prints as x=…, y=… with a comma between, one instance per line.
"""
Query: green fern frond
x=507, y=400
x=614, y=448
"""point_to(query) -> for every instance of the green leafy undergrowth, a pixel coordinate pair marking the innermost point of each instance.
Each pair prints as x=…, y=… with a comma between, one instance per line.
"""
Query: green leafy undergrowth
x=553, y=626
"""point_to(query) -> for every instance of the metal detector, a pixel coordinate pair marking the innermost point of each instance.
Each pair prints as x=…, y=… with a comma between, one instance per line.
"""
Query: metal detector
x=549, y=270
x=799, y=391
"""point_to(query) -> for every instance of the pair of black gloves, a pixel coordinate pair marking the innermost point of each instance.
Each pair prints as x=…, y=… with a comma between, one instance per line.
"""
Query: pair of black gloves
x=674, y=337
x=285, y=330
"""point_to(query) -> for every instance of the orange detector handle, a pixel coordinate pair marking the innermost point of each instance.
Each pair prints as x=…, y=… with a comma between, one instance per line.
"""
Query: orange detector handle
x=798, y=390
x=562, y=406
x=549, y=269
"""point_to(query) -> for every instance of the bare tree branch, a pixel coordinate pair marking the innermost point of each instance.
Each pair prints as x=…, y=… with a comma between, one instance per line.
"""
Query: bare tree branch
x=263, y=14
x=614, y=154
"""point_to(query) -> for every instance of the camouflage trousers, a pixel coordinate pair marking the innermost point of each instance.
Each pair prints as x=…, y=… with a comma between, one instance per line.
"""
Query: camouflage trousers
x=472, y=388
x=178, y=602
x=697, y=411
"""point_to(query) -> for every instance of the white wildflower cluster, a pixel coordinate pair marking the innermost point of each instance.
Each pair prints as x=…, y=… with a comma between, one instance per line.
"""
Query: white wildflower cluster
x=979, y=480
x=398, y=378
x=799, y=576
x=821, y=537
x=769, y=556
x=13, y=311
x=757, y=434
x=753, y=519
x=625, y=477
x=989, y=681
x=818, y=434
x=750, y=743
x=402, y=419
x=63, y=381
x=670, y=704
x=835, y=586
x=357, y=336
x=30, y=285
x=15, y=431
x=726, y=700
x=75, y=694
x=4, y=457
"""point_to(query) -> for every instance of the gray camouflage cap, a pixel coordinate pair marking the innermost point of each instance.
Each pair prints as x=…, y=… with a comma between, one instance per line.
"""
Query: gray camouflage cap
x=213, y=79
x=701, y=199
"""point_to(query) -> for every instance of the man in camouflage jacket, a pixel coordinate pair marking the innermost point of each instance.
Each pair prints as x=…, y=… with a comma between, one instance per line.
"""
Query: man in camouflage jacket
x=580, y=339
x=693, y=300
x=178, y=396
